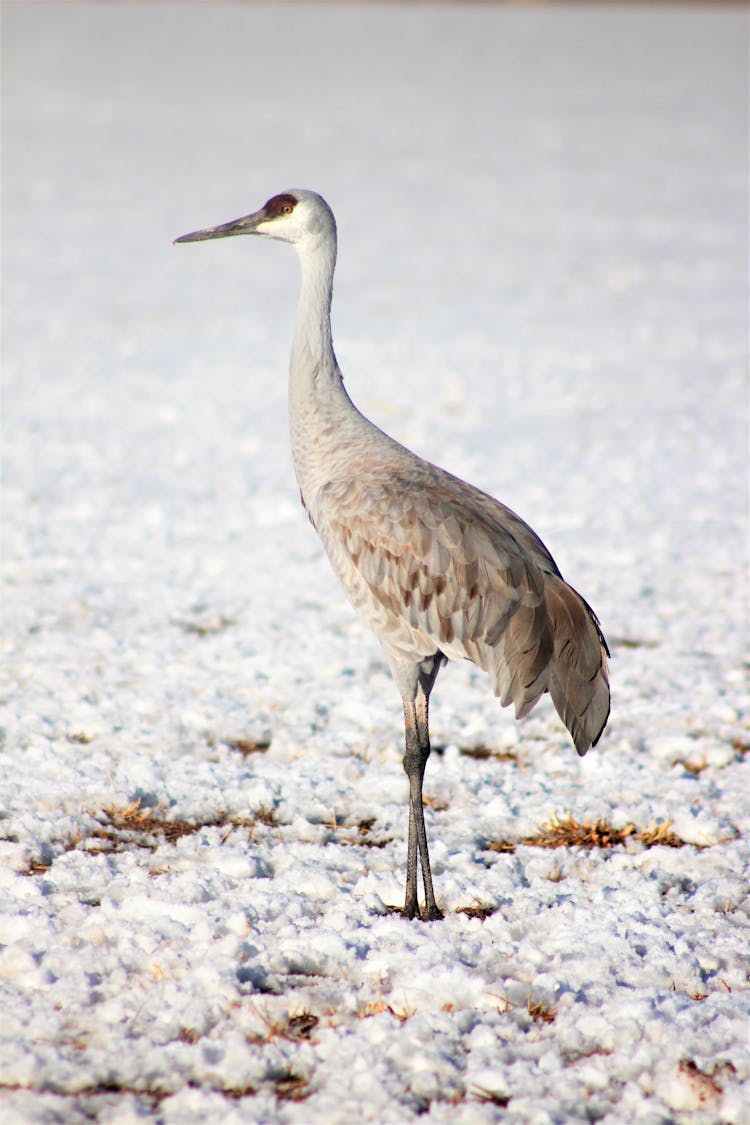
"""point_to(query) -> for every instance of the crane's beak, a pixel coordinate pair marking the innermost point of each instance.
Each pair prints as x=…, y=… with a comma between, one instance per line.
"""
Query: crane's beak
x=248, y=224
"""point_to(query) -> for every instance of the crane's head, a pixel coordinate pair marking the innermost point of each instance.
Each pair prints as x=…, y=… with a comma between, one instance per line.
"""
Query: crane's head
x=296, y=216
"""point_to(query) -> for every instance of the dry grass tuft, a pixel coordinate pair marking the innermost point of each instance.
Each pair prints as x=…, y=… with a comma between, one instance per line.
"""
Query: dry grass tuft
x=477, y=910
x=377, y=1007
x=708, y=1084
x=302, y=1024
x=484, y=753
x=149, y=1097
x=570, y=833
x=291, y=1086
x=266, y=816
x=357, y=835
x=695, y=769
x=540, y=1013
x=135, y=825
x=437, y=804
x=236, y=1093
x=246, y=746
x=291, y=1028
x=660, y=835
x=134, y=818
x=741, y=747
x=132, y=826
x=37, y=867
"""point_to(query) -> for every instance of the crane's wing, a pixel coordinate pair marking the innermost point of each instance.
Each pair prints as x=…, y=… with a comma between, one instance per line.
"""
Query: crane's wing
x=430, y=571
x=433, y=564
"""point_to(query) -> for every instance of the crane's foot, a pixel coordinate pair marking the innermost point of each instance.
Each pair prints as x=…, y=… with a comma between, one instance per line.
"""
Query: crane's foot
x=430, y=913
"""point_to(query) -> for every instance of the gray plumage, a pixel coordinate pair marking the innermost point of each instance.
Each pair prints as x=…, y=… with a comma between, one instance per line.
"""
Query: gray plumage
x=438, y=569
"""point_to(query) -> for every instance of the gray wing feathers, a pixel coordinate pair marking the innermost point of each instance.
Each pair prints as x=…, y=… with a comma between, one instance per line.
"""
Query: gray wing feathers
x=579, y=677
x=435, y=565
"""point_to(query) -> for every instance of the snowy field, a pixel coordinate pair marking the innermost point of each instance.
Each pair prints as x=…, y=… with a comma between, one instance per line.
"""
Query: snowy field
x=542, y=286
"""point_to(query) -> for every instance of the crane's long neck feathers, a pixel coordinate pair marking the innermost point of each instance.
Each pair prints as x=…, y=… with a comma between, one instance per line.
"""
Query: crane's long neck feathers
x=312, y=349
x=320, y=411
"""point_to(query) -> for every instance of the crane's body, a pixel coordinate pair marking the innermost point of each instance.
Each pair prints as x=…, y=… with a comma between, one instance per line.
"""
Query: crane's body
x=438, y=569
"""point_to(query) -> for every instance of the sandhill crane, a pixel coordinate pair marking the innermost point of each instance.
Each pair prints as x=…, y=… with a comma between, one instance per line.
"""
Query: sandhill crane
x=438, y=569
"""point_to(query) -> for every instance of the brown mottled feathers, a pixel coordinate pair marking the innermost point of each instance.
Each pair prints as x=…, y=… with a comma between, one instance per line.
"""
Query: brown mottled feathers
x=435, y=565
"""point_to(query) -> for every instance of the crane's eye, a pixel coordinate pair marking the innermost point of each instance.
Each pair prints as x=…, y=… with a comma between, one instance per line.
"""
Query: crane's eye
x=280, y=205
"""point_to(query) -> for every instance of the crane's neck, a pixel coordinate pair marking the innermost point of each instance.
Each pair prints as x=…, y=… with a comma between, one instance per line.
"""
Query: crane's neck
x=318, y=403
x=313, y=358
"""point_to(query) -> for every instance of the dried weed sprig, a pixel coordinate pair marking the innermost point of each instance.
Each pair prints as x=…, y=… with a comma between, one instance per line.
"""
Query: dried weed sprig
x=567, y=832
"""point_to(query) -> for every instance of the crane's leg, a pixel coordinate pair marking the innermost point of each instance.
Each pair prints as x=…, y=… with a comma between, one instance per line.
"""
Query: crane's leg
x=416, y=726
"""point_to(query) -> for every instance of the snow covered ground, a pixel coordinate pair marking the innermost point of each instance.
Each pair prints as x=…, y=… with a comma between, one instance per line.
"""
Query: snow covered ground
x=542, y=285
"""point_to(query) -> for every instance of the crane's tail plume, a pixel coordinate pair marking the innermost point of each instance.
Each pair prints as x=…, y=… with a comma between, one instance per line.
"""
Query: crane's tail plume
x=578, y=673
